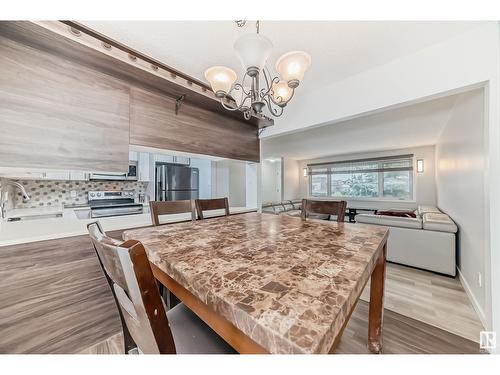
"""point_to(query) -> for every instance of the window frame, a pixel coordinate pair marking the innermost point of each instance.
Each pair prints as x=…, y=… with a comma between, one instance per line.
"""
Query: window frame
x=380, y=171
x=328, y=187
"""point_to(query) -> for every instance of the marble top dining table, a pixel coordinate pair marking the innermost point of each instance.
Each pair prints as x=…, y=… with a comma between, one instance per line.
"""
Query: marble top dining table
x=271, y=283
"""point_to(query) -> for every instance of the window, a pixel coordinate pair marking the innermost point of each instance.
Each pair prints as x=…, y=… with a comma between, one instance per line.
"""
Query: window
x=381, y=178
x=319, y=182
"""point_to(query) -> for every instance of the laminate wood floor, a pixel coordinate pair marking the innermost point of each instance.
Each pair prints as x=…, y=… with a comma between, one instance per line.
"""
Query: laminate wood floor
x=430, y=298
x=401, y=335
x=55, y=299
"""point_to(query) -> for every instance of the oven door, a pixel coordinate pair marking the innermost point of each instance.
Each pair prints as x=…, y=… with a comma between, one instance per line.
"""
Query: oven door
x=116, y=211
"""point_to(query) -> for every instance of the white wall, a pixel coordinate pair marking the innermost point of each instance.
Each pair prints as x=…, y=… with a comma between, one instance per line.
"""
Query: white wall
x=205, y=176
x=237, y=184
x=251, y=170
x=291, y=179
x=466, y=59
x=229, y=180
x=220, y=179
x=424, y=183
x=460, y=168
x=271, y=180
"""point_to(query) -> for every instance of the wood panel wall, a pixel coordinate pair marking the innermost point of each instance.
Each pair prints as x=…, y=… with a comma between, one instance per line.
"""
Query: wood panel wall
x=59, y=114
x=64, y=105
x=153, y=123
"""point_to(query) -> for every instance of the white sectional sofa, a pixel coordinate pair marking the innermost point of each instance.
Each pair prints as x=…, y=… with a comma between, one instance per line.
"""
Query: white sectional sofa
x=427, y=241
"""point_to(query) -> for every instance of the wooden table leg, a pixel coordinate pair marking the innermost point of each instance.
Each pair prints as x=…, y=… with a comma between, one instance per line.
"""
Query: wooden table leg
x=376, y=309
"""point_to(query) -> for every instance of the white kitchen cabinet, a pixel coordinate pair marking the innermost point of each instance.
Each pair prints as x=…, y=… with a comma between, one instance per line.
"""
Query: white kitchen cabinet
x=61, y=176
x=164, y=158
x=34, y=174
x=78, y=176
x=133, y=155
x=182, y=160
x=20, y=173
x=143, y=166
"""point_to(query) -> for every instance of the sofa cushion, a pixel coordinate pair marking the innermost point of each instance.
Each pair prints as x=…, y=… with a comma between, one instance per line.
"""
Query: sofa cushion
x=422, y=210
x=390, y=221
x=439, y=222
x=396, y=213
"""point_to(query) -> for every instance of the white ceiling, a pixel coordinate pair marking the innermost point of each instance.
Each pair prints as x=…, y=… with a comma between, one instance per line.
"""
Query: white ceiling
x=338, y=48
x=411, y=126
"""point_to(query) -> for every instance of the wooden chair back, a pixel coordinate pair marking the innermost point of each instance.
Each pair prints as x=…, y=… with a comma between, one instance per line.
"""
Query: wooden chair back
x=212, y=204
x=336, y=208
x=158, y=208
x=127, y=267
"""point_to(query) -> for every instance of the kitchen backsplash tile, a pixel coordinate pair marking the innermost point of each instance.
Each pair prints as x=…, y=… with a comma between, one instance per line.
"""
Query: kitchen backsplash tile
x=45, y=193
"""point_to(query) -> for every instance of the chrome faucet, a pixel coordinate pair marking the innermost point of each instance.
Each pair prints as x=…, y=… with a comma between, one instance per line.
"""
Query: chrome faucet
x=4, y=182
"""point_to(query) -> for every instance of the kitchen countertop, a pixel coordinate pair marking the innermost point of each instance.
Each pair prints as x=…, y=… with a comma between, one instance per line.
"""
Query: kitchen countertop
x=68, y=225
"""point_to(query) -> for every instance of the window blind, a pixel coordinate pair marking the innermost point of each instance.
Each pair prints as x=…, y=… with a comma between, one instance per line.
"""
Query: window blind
x=386, y=164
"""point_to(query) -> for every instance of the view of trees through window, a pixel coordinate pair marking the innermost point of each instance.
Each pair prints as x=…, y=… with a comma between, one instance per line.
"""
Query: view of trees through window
x=355, y=185
x=398, y=184
x=387, y=178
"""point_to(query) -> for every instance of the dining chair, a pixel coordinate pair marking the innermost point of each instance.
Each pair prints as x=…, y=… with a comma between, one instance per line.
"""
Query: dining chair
x=336, y=208
x=158, y=208
x=144, y=320
x=212, y=204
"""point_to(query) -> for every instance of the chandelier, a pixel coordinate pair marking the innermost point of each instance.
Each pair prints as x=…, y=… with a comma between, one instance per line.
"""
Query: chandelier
x=253, y=51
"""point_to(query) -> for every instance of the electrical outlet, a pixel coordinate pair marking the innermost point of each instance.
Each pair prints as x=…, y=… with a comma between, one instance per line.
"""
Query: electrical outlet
x=480, y=279
x=72, y=193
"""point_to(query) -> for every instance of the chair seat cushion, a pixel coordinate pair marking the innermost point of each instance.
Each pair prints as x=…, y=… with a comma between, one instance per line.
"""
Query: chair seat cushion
x=192, y=335
x=439, y=222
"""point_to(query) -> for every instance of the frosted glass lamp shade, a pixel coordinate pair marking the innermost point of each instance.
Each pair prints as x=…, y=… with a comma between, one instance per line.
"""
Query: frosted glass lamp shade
x=253, y=50
x=282, y=93
x=221, y=79
x=292, y=66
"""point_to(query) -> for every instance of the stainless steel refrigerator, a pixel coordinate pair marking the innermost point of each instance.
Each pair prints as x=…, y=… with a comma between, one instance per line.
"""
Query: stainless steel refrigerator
x=176, y=182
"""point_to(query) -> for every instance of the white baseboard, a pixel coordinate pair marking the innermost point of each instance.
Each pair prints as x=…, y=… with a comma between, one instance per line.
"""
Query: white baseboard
x=473, y=300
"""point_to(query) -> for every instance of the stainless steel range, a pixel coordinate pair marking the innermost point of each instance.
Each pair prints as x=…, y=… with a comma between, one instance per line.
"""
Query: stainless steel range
x=113, y=203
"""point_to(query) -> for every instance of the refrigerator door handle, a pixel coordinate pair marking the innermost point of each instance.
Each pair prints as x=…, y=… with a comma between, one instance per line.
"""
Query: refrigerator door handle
x=159, y=183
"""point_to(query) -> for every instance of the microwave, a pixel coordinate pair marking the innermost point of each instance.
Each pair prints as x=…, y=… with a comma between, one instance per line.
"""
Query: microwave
x=131, y=175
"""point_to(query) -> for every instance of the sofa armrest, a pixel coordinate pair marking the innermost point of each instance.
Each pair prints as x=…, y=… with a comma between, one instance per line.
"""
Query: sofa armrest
x=439, y=222
x=390, y=221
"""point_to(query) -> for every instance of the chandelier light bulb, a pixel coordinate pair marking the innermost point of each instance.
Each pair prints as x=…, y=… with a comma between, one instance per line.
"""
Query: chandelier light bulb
x=292, y=67
x=221, y=79
x=282, y=93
